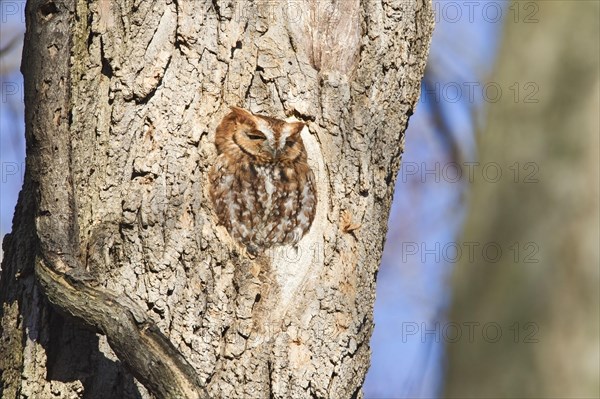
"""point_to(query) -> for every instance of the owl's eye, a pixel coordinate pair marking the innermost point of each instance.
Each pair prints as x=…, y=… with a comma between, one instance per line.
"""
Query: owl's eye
x=289, y=143
x=255, y=136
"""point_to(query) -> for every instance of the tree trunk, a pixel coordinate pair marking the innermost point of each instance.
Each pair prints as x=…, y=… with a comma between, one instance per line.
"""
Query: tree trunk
x=149, y=296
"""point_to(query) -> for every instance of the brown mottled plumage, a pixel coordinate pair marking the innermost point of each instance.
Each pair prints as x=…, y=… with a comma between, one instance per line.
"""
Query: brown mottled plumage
x=262, y=188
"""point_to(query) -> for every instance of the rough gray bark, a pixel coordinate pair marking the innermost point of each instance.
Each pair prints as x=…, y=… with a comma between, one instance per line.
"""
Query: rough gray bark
x=115, y=225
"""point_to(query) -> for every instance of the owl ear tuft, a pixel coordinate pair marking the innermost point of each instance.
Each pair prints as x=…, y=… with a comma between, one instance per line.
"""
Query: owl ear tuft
x=243, y=115
x=295, y=127
x=241, y=112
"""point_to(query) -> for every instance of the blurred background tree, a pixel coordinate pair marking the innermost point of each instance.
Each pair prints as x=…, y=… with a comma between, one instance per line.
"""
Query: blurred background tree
x=543, y=290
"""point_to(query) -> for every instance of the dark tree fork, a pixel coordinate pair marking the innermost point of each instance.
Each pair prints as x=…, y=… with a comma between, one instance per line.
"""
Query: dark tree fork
x=116, y=281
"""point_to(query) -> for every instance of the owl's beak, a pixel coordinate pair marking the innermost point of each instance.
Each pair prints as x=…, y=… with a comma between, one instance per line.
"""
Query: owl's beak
x=270, y=149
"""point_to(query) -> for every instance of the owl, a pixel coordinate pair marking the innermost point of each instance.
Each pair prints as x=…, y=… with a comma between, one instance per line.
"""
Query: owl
x=261, y=186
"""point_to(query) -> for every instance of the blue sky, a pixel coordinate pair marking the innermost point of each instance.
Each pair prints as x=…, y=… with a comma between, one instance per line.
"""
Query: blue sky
x=12, y=128
x=429, y=206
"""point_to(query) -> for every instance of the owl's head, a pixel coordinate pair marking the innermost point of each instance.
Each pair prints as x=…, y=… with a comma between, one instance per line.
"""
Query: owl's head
x=266, y=140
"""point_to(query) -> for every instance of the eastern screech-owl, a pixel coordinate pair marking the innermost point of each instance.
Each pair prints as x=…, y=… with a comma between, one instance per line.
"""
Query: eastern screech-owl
x=262, y=188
